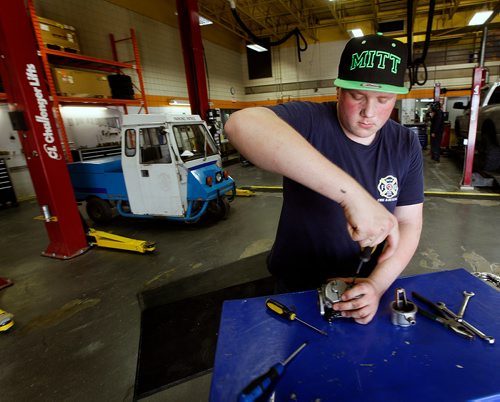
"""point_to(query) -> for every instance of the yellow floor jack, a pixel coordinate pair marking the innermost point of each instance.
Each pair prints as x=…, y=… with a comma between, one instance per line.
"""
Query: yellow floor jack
x=6, y=319
x=109, y=240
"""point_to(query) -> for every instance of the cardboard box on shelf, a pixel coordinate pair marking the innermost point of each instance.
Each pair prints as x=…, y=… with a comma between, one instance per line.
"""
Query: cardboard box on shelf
x=79, y=83
x=58, y=36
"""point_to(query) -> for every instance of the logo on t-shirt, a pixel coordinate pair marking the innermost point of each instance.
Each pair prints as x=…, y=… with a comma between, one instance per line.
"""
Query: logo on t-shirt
x=388, y=188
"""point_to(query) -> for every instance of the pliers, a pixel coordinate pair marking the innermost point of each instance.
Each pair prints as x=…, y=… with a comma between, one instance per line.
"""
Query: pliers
x=442, y=317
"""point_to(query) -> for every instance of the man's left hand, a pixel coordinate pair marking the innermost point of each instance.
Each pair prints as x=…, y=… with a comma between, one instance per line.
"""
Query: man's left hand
x=360, y=302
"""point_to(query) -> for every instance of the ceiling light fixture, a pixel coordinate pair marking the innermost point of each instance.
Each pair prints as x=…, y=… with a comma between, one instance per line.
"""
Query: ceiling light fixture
x=84, y=108
x=480, y=17
x=204, y=21
x=178, y=102
x=257, y=48
x=356, y=32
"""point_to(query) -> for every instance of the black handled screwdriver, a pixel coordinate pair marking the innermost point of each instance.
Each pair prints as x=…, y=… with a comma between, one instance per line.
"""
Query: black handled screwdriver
x=366, y=253
x=262, y=383
x=283, y=311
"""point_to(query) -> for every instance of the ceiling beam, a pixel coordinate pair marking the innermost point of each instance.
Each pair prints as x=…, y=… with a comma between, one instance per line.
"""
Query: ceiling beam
x=302, y=23
x=337, y=17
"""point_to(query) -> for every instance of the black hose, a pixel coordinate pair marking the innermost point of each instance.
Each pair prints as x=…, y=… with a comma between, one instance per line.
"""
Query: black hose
x=409, y=39
x=414, y=65
x=243, y=26
x=255, y=39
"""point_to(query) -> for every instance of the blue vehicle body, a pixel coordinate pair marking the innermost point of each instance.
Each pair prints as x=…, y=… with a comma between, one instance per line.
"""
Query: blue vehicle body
x=99, y=177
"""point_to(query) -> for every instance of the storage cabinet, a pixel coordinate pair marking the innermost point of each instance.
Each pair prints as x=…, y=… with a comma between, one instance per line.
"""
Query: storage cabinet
x=7, y=194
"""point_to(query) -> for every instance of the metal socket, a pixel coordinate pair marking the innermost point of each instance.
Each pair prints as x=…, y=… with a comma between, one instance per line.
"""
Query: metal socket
x=404, y=317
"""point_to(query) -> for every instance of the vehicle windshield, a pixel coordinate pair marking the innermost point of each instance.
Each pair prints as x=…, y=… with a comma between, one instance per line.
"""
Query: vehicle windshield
x=195, y=139
x=495, y=97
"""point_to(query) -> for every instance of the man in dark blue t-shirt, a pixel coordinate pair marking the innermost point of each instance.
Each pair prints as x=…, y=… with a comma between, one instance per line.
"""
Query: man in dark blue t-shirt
x=352, y=178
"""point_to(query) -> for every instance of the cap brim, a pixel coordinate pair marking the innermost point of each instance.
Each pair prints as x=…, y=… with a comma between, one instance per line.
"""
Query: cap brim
x=367, y=86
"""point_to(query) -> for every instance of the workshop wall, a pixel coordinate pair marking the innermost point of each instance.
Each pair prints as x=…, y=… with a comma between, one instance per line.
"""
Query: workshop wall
x=159, y=46
x=163, y=66
x=319, y=62
x=313, y=76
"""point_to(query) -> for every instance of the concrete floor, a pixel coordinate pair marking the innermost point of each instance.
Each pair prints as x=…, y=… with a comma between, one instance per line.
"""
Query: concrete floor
x=77, y=322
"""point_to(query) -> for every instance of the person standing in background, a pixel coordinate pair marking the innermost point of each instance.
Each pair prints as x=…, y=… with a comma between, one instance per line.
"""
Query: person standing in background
x=437, y=128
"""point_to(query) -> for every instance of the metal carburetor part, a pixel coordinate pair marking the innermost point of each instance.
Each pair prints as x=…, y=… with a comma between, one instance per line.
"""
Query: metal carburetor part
x=403, y=312
x=329, y=294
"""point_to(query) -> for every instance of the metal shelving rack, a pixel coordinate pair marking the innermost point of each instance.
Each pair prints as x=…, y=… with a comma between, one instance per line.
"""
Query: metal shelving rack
x=50, y=56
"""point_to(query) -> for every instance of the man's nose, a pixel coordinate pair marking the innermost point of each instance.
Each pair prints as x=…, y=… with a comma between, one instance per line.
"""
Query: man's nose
x=369, y=109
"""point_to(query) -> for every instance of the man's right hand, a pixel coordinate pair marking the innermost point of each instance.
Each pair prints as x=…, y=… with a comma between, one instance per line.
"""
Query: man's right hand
x=369, y=223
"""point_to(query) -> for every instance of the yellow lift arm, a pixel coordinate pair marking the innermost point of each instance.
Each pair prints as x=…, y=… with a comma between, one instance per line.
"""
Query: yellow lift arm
x=242, y=193
x=110, y=240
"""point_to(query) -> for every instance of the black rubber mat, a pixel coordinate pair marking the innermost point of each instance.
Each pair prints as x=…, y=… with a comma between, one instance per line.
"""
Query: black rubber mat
x=178, y=338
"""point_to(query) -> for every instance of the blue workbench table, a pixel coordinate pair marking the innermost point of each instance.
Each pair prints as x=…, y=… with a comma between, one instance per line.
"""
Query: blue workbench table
x=374, y=362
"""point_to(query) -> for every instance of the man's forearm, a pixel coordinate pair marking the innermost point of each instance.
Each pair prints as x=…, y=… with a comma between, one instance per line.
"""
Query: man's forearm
x=388, y=271
x=271, y=144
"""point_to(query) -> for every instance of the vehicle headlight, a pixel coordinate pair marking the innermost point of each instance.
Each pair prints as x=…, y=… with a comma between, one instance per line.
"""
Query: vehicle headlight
x=218, y=177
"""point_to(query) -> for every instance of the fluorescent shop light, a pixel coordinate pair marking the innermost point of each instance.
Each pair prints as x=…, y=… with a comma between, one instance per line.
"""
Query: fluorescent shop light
x=356, y=32
x=204, y=21
x=179, y=102
x=480, y=17
x=256, y=47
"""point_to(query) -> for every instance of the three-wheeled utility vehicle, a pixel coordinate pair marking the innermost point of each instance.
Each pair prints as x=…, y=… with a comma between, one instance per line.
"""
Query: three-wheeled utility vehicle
x=169, y=167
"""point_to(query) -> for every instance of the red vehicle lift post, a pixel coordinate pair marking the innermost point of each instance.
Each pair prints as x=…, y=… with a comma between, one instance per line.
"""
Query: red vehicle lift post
x=32, y=116
x=192, y=48
x=477, y=77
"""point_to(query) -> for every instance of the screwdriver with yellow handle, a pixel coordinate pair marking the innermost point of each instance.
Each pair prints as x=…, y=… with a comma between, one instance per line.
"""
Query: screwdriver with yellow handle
x=283, y=311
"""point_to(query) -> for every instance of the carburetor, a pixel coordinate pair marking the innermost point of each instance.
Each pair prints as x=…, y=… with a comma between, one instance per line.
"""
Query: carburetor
x=329, y=294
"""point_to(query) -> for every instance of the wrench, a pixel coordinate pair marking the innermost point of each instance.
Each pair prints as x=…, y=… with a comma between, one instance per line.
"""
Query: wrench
x=471, y=328
x=467, y=296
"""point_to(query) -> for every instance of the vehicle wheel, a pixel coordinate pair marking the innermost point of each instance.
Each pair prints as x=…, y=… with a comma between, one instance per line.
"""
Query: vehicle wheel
x=489, y=151
x=219, y=208
x=195, y=208
x=99, y=210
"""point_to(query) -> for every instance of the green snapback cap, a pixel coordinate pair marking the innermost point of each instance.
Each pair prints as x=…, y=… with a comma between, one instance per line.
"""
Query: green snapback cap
x=373, y=63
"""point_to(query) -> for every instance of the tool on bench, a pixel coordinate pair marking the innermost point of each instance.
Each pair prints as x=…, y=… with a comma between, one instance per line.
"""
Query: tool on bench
x=283, y=311
x=403, y=311
x=460, y=325
x=467, y=296
x=366, y=253
x=468, y=326
x=442, y=316
x=262, y=383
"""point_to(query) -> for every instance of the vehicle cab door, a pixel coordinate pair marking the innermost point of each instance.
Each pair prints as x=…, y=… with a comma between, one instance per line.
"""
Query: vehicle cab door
x=151, y=173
